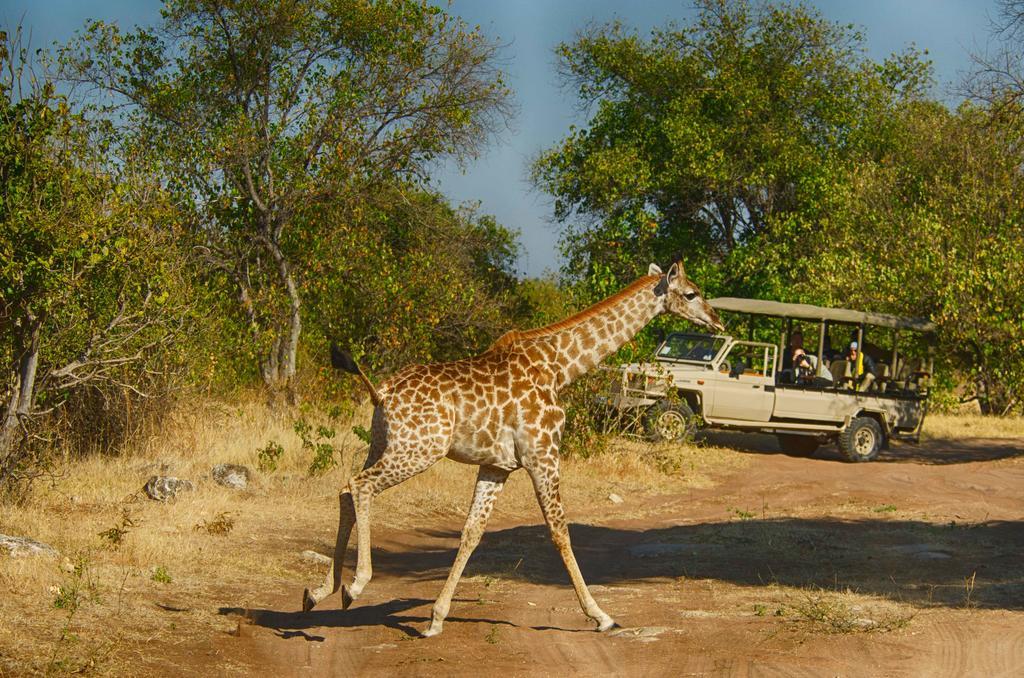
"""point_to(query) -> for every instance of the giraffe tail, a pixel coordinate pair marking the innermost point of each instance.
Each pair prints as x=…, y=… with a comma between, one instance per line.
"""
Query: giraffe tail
x=343, y=360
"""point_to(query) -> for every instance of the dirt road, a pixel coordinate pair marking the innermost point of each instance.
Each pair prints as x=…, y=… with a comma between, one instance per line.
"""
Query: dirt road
x=909, y=566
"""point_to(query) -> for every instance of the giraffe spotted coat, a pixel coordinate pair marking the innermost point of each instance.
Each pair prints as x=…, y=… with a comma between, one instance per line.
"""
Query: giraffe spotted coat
x=500, y=411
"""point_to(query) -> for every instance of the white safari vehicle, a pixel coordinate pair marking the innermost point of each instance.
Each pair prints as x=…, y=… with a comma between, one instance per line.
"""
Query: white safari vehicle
x=722, y=381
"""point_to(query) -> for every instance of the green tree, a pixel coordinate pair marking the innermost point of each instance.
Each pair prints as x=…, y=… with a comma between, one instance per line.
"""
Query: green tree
x=933, y=230
x=425, y=281
x=263, y=116
x=84, y=276
x=716, y=139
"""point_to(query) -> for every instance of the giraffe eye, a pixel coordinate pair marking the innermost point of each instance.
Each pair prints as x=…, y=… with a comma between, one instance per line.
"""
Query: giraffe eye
x=690, y=296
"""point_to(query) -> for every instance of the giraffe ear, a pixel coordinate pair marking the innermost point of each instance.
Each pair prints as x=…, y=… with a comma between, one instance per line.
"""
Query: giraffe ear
x=677, y=269
x=654, y=269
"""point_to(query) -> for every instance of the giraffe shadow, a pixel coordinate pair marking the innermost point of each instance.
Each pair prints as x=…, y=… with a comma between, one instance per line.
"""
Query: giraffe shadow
x=912, y=561
x=390, y=615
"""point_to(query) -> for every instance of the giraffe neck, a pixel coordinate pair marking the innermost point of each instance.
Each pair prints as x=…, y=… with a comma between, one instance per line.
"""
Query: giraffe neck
x=602, y=329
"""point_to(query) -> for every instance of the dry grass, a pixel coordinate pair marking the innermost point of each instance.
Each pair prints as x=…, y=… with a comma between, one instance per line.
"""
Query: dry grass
x=820, y=611
x=137, y=573
x=954, y=426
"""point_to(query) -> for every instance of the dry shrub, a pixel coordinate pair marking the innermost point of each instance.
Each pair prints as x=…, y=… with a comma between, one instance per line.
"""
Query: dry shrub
x=821, y=611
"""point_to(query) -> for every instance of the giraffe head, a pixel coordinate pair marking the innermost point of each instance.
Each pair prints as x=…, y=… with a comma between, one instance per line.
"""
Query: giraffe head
x=685, y=299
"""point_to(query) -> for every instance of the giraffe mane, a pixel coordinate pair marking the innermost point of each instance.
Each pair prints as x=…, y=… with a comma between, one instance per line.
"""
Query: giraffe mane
x=515, y=335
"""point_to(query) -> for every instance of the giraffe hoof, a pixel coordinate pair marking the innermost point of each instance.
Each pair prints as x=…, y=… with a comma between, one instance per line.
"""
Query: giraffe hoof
x=307, y=601
x=346, y=598
x=431, y=631
x=607, y=625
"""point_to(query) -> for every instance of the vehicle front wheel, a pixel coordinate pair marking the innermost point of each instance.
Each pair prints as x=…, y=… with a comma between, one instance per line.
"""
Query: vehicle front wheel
x=861, y=440
x=671, y=422
x=803, y=446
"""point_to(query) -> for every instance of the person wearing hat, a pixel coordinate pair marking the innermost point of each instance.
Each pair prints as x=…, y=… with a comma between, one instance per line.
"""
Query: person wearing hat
x=861, y=364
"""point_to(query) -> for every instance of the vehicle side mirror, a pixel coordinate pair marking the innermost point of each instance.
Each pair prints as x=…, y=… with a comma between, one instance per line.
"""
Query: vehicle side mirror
x=659, y=335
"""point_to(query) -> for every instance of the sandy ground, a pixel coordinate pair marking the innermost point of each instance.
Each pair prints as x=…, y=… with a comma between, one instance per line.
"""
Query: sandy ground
x=909, y=566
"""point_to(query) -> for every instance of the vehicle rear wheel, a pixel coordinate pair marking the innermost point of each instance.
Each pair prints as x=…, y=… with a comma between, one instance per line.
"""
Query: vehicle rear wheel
x=672, y=422
x=861, y=440
x=803, y=446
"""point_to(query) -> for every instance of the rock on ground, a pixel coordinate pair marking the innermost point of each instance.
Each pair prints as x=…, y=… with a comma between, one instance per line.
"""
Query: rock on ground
x=314, y=557
x=20, y=547
x=163, y=488
x=231, y=475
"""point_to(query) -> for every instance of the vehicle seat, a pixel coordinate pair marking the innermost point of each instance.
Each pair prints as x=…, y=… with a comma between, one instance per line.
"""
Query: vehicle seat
x=905, y=376
x=842, y=376
x=882, y=369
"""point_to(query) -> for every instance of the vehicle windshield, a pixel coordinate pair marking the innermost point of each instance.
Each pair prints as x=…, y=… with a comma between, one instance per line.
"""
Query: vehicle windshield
x=697, y=347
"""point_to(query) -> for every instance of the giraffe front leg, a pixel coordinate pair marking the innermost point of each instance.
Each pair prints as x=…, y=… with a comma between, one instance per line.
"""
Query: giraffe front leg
x=489, y=483
x=544, y=472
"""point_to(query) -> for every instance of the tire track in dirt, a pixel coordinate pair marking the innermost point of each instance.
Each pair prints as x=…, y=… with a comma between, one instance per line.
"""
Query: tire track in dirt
x=962, y=648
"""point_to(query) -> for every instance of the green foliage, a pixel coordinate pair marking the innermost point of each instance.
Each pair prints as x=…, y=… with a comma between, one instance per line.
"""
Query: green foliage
x=784, y=164
x=588, y=431
x=87, y=271
x=115, y=535
x=263, y=117
x=933, y=230
x=362, y=433
x=722, y=140
x=423, y=282
x=315, y=439
x=79, y=588
x=268, y=456
x=161, y=575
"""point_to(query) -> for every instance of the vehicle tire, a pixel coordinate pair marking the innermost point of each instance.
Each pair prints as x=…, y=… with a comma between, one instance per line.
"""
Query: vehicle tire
x=670, y=422
x=801, y=446
x=861, y=440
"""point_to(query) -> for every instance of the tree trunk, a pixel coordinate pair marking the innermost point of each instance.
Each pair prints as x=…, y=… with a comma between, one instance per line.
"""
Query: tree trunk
x=22, y=393
x=993, y=397
x=282, y=362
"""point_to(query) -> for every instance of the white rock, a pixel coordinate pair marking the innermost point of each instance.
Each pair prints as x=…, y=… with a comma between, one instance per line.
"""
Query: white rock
x=22, y=547
x=231, y=475
x=162, y=488
x=615, y=499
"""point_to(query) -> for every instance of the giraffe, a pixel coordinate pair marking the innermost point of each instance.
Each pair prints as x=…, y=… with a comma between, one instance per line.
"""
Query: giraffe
x=500, y=411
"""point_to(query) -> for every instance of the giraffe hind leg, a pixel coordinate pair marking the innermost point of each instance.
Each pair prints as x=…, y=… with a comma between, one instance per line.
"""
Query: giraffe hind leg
x=346, y=520
x=399, y=463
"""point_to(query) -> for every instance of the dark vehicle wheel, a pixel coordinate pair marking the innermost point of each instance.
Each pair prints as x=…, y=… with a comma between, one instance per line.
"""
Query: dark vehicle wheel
x=803, y=446
x=861, y=440
x=672, y=422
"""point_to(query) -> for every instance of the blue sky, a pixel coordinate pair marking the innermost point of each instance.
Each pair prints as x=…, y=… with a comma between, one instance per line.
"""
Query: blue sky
x=530, y=29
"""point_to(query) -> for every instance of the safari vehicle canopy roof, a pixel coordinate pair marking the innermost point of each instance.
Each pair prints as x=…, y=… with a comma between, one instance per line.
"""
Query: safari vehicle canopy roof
x=819, y=313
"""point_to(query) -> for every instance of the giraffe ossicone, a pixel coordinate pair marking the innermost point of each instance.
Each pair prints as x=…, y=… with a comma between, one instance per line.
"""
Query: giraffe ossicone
x=500, y=411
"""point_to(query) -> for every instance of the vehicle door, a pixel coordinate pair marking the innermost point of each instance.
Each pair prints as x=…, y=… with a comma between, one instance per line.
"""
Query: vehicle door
x=744, y=383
